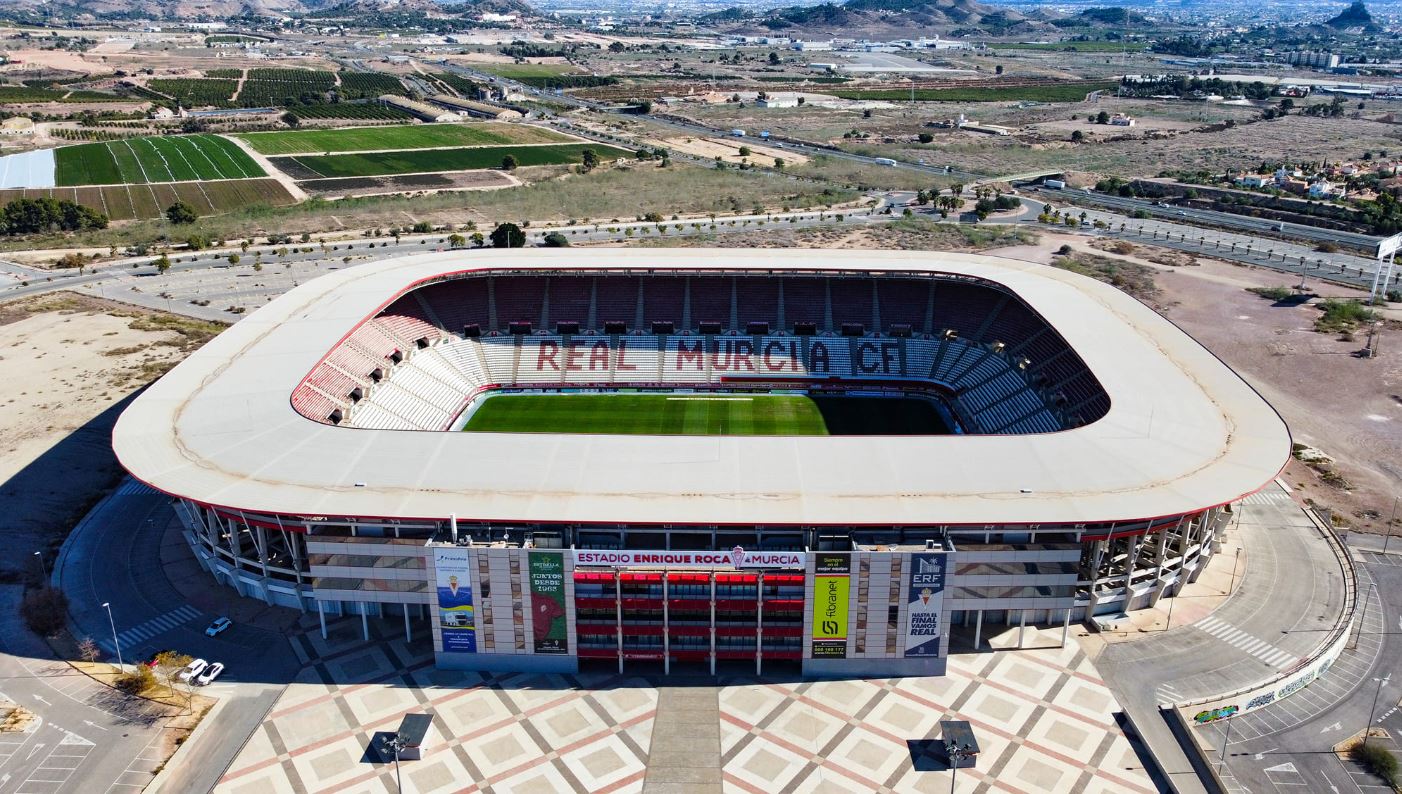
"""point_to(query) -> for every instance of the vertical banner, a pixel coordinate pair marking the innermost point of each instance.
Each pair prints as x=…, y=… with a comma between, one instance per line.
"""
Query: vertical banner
x=832, y=575
x=548, y=602
x=924, y=604
x=453, y=580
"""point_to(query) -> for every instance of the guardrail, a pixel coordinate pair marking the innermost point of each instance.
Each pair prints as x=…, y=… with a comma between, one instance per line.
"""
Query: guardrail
x=1298, y=676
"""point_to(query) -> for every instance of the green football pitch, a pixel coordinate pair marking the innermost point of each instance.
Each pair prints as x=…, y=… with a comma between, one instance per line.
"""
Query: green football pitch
x=705, y=414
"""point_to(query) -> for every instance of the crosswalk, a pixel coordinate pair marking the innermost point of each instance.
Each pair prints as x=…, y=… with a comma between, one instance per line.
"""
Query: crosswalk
x=1237, y=638
x=157, y=625
x=1269, y=496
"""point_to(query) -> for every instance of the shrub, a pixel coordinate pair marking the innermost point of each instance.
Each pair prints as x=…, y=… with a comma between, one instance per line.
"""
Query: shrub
x=140, y=679
x=45, y=611
x=180, y=212
x=1342, y=315
x=556, y=240
x=1273, y=293
x=1379, y=760
x=508, y=235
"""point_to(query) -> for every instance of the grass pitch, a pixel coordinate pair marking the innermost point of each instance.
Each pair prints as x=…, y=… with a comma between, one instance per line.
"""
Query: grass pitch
x=418, y=136
x=704, y=415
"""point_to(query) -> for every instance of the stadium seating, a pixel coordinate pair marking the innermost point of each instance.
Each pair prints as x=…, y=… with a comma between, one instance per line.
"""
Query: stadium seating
x=412, y=367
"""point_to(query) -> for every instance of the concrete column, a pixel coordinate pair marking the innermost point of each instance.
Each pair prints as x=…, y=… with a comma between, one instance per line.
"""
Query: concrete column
x=978, y=629
x=666, y=629
x=713, y=620
x=1021, y=626
x=365, y=621
x=321, y=615
x=408, y=635
x=759, y=617
x=618, y=617
x=1065, y=627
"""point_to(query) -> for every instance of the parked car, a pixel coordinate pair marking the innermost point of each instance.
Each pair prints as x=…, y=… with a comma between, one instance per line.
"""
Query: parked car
x=210, y=673
x=218, y=627
x=192, y=669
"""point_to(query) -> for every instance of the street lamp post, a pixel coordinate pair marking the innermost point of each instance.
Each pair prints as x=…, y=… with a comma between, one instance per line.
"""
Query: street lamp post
x=957, y=754
x=107, y=605
x=1367, y=729
x=44, y=571
x=395, y=744
x=1388, y=536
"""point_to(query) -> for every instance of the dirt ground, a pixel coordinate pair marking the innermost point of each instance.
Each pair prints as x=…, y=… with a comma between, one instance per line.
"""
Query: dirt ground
x=67, y=367
x=1347, y=406
x=729, y=150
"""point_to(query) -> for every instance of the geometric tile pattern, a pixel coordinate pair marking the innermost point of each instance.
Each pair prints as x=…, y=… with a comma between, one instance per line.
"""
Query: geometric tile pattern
x=1042, y=717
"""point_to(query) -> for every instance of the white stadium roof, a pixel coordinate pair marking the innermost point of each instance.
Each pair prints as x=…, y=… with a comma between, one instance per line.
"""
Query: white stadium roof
x=1183, y=431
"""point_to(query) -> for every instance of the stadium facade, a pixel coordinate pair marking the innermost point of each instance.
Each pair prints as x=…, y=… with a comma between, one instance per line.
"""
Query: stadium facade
x=1090, y=455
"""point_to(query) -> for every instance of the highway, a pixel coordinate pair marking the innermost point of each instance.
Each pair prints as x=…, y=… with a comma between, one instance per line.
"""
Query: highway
x=1224, y=220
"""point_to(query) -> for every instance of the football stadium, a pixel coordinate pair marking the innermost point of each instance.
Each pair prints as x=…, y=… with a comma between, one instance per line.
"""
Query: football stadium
x=816, y=462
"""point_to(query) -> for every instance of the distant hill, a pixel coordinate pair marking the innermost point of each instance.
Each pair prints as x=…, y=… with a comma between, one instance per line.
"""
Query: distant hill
x=228, y=9
x=1355, y=16
x=880, y=17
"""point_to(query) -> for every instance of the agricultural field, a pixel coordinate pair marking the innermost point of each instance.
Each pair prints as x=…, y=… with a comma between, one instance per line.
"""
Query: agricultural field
x=274, y=87
x=23, y=94
x=172, y=158
x=1067, y=92
x=517, y=71
x=702, y=414
x=1075, y=46
x=137, y=202
x=418, y=136
x=344, y=110
x=432, y=160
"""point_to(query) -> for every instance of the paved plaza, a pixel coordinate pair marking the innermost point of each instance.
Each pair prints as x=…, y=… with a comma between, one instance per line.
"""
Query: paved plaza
x=1044, y=720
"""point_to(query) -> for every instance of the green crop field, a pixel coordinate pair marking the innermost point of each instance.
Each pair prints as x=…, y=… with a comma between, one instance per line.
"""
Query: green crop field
x=1065, y=92
x=704, y=414
x=129, y=202
x=432, y=160
x=418, y=136
x=170, y=158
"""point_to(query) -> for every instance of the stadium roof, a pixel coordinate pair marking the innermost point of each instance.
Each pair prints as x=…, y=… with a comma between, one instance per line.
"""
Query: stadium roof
x=1183, y=432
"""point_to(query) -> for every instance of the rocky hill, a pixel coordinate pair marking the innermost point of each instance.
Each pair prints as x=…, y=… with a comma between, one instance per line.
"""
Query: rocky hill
x=861, y=18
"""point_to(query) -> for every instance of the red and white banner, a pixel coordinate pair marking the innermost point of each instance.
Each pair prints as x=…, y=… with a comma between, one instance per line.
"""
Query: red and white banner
x=735, y=558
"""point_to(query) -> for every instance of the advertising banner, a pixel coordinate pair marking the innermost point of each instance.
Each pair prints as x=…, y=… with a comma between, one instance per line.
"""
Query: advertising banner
x=453, y=580
x=832, y=580
x=548, y=602
x=735, y=558
x=924, y=604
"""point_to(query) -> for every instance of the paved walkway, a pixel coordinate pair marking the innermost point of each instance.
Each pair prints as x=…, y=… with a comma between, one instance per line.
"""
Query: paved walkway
x=685, y=751
x=1288, y=596
x=1044, y=720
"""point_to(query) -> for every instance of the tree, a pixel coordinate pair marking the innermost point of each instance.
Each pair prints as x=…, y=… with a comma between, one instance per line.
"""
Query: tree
x=477, y=239
x=88, y=650
x=779, y=163
x=162, y=264
x=25, y=216
x=456, y=240
x=508, y=235
x=773, y=58
x=745, y=151
x=1102, y=117
x=1077, y=136
x=926, y=137
x=180, y=212
x=196, y=242
x=617, y=46
x=589, y=159
x=998, y=69
x=45, y=611
x=508, y=163
x=556, y=240
x=233, y=259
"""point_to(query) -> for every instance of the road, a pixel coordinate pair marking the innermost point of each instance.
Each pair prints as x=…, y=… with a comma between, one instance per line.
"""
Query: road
x=115, y=555
x=1286, y=747
x=1221, y=220
x=86, y=737
x=1288, y=595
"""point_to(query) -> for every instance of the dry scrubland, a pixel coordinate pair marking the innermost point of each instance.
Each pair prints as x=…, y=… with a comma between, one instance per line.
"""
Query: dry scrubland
x=622, y=193
x=67, y=366
x=1163, y=140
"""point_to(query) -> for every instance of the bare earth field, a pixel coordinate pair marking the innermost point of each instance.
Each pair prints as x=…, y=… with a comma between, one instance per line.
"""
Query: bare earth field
x=67, y=367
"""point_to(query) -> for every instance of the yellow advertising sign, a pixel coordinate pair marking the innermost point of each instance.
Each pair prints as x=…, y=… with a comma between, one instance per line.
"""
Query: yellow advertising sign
x=830, y=598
